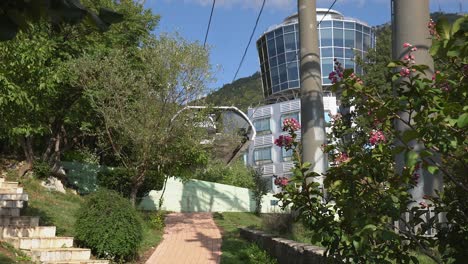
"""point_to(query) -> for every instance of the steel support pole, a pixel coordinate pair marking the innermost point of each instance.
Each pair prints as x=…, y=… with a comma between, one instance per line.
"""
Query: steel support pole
x=312, y=112
x=409, y=24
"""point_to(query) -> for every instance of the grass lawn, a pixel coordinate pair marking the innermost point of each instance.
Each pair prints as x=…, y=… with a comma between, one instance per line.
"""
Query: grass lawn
x=235, y=249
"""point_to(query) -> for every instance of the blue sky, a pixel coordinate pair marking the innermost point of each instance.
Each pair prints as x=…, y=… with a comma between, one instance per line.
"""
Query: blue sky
x=233, y=21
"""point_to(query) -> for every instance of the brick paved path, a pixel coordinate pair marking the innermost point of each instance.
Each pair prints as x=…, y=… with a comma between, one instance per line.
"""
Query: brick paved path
x=189, y=238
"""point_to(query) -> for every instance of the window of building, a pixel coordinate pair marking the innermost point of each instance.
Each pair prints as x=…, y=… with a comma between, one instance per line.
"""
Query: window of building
x=289, y=28
x=293, y=73
x=326, y=52
x=338, y=37
x=338, y=24
x=326, y=37
x=290, y=42
x=279, y=44
x=271, y=48
x=283, y=73
x=358, y=40
x=349, y=25
x=262, y=126
x=339, y=52
x=358, y=27
x=326, y=23
x=291, y=56
x=327, y=67
x=349, y=53
x=262, y=155
x=294, y=115
x=349, y=38
x=286, y=154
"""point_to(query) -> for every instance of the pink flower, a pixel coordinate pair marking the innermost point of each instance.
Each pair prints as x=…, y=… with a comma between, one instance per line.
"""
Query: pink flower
x=291, y=124
x=414, y=49
x=406, y=45
x=281, y=181
x=405, y=72
x=342, y=157
x=377, y=136
x=284, y=141
x=423, y=204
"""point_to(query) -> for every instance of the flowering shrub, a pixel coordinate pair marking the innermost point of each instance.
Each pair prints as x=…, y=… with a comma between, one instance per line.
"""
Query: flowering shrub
x=291, y=124
x=362, y=217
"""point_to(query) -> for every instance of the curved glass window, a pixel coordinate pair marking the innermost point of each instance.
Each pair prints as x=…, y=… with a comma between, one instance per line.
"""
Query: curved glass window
x=337, y=24
x=274, y=76
x=326, y=37
x=281, y=59
x=293, y=72
x=271, y=48
x=349, y=38
x=349, y=25
x=325, y=23
x=279, y=45
x=282, y=73
x=338, y=37
x=273, y=61
x=358, y=40
x=367, y=42
x=327, y=67
x=289, y=28
x=339, y=53
x=349, y=53
x=270, y=35
x=291, y=56
x=290, y=42
x=358, y=27
x=327, y=52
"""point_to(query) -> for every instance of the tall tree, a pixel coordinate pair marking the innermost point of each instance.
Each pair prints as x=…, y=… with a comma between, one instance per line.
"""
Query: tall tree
x=137, y=98
x=40, y=105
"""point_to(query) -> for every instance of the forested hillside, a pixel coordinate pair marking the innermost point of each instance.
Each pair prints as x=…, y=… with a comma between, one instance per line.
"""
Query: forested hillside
x=242, y=93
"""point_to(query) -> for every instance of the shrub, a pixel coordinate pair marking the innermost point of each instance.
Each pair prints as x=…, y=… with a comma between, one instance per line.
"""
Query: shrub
x=236, y=174
x=278, y=223
x=157, y=220
x=83, y=155
x=120, y=180
x=109, y=225
x=253, y=254
x=41, y=170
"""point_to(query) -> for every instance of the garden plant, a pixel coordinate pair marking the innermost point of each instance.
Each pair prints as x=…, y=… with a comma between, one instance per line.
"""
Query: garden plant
x=367, y=213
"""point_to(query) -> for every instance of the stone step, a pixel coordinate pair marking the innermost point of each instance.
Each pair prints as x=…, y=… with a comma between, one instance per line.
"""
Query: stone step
x=9, y=212
x=60, y=254
x=91, y=261
x=19, y=221
x=9, y=184
x=11, y=204
x=40, y=242
x=14, y=197
x=11, y=190
x=37, y=231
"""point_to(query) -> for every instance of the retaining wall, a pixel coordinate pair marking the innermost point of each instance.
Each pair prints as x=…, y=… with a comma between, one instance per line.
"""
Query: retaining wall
x=284, y=250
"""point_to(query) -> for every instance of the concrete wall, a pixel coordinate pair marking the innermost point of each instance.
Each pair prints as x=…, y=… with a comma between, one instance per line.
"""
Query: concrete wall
x=284, y=250
x=202, y=196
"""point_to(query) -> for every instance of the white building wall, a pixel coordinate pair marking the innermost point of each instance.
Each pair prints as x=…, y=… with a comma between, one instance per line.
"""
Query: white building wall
x=277, y=166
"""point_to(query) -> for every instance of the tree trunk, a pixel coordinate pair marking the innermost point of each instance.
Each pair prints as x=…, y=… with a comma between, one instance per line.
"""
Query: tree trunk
x=26, y=144
x=137, y=183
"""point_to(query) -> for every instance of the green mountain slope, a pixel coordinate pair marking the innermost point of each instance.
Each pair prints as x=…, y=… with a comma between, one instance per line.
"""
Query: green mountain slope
x=242, y=93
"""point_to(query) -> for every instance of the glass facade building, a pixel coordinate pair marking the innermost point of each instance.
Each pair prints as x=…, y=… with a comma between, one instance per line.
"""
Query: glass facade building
x=339, y=37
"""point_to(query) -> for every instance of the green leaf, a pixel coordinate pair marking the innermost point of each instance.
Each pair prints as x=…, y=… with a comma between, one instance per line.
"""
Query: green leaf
x=443, y=28
x=456, y=25
x=411, y=158
x=370, y=227
x=462, y=120
x=409, y=135
x=432, y=169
